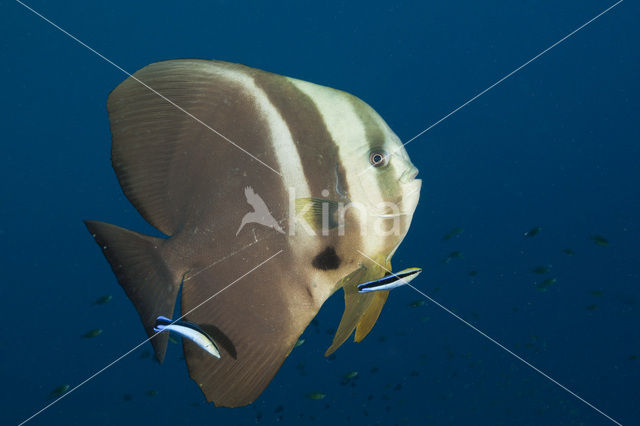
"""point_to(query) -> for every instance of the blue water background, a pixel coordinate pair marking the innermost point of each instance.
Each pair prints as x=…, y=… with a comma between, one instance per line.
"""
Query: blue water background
x=556, y=145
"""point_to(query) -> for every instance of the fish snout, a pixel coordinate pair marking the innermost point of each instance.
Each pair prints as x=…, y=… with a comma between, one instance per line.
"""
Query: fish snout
x=409, y=175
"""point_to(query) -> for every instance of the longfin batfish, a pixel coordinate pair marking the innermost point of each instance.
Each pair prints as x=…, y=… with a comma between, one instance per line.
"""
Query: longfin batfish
x=303, y=149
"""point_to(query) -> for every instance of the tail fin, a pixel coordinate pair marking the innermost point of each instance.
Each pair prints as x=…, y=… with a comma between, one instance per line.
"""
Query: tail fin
x=145, y=277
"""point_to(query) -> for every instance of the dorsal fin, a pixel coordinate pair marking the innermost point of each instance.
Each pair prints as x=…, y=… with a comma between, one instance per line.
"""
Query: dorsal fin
x=158, y=145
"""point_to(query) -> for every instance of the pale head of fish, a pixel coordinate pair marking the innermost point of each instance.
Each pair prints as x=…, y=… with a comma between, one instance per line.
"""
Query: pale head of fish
x=384, y=191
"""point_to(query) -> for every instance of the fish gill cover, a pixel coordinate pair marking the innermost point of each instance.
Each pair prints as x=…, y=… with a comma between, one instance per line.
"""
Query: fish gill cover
x=540, y=170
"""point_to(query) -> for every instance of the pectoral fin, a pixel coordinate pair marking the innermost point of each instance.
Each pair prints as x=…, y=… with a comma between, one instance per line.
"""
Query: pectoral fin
x=319, y=213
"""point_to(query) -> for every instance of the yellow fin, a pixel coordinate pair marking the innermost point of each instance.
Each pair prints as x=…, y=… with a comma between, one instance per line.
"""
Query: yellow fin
x=311, y=209
x=358, y=306
x=368, y=320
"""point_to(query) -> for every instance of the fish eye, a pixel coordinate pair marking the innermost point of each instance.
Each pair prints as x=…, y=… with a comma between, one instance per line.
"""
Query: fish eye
x=379, y=158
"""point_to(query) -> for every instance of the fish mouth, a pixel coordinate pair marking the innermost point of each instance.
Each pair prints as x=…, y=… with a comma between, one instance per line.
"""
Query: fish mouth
x=409, y=175
x=390, y=215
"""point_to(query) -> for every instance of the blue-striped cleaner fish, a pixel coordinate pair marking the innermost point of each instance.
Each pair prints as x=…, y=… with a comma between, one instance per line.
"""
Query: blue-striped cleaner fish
x=390, y=281
x=190, y=331
x=272, y=194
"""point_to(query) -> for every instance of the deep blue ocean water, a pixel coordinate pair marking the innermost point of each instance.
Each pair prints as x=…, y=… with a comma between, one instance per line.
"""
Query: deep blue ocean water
x=556, y=145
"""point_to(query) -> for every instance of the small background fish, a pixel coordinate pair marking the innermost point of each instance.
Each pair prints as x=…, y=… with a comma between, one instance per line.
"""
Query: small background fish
x=554, y=145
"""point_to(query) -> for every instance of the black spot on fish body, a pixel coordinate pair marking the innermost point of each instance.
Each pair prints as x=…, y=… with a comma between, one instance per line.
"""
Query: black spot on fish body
x=326, y=260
